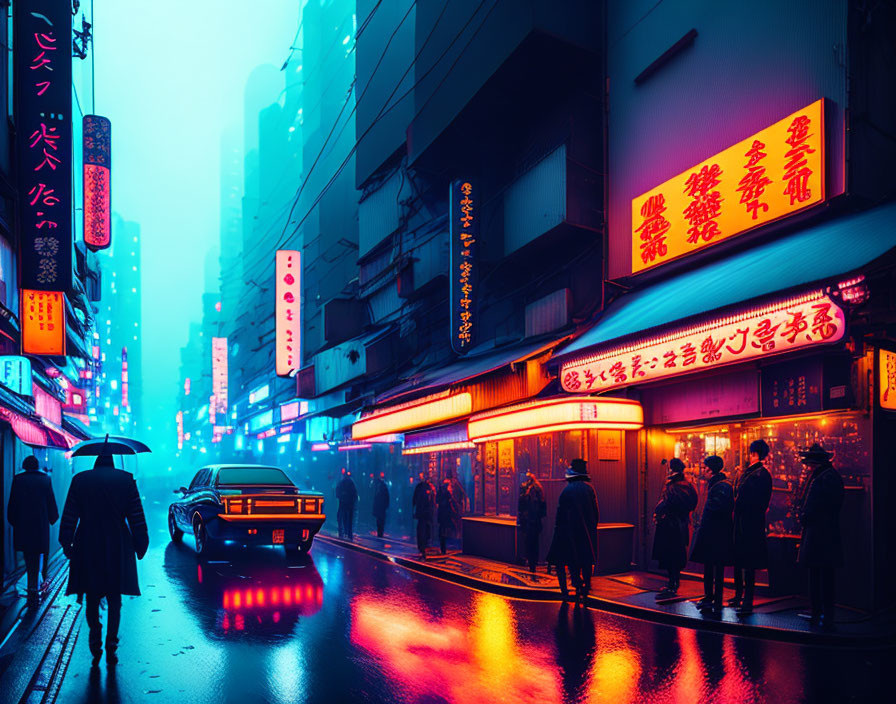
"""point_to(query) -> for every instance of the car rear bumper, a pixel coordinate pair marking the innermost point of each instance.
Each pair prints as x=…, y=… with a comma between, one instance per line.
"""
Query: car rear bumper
x=252, y=530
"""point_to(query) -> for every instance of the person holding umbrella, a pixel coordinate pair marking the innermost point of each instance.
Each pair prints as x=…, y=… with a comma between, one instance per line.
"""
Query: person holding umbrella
x=103, y=533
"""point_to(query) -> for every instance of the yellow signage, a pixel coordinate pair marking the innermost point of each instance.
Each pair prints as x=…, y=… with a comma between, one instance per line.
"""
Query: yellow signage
x=887, y=364
x=774, y=173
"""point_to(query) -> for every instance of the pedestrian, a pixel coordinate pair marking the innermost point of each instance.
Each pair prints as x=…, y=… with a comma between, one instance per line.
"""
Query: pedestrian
x=531, y=510
x=102, y=530
x=574, y=543
x=461, y=498
x=380, y=504
x=447, y=513
x=31, y=511
x=423, y=502
x=714, y=537
x=821, y=550
x=751, y=499
x=672, y=516
x=347, y=495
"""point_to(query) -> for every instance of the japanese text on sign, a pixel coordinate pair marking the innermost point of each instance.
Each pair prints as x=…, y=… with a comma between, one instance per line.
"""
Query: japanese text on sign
x=776, y=172
x=778, y=328
x=97, y=181
x=288, y=311
x=887, y=364
x=219, y=376
x=43, y=322
x=464, y=242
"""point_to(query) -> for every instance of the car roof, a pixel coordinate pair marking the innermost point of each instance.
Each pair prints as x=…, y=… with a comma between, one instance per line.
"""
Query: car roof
x=246, y=465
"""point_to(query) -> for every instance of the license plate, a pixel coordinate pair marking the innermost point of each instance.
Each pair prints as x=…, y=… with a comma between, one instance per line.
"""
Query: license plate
x=278, y=537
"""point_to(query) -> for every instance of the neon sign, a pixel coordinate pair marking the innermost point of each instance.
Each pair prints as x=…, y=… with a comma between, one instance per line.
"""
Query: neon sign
x=219, y=374
x=43, y=322
x=288, y=312
x=125, y=401
x=887, y=365
x=809, y=320
x=15, y=374
x=414, y=414
x=179, y=419
x=464, y=227
x=97, y=181
x=774, y=173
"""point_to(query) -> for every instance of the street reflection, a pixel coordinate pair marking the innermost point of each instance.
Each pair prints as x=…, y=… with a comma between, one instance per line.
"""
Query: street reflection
x=255, y=594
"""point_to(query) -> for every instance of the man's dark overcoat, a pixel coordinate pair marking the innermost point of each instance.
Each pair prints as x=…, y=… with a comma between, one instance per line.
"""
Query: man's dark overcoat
x=380, y=499
x=714, y=537
x=752, y=496
x=31, y=511
x=821, y=544
x=575, y=532
x=102, y=532
x=673, y=518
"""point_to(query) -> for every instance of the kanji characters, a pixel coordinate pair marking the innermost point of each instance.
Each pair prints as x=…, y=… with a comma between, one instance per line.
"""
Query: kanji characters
x=706, y=205
x=765, y=335
x=688, y=354
x=796, y=170
x=823, y=324
x=617, y=371
x=794, y=326
x=636, y=367
x=654, y=228
x=571, y=381
x=710, y=349
x=669, y=358
x=753, y=183
x=743, y=340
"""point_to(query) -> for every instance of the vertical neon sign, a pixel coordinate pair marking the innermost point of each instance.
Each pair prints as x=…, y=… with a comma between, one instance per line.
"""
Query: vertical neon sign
x=125, y=401
x=219, y=375
x=97, y=181
x=464, y=234
x=288, y=312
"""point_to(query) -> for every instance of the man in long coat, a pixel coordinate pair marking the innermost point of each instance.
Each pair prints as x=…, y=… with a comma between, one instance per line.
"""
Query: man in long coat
x=531, y=510
x=574, y=544
x=752, y=496
x=103, y=532
x=447, y=512
x=380, y=504
x=673, y=524
x=424, y=502
x=821, y=549
x=347, y=495
x=31, y=512
x=714, y=538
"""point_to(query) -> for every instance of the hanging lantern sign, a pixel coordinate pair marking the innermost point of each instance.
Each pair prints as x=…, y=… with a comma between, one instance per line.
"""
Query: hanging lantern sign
x=288, y=311
x=97, y=181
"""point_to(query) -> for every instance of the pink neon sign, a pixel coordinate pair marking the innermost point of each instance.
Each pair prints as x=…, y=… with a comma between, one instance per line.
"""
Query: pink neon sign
x=288, y=311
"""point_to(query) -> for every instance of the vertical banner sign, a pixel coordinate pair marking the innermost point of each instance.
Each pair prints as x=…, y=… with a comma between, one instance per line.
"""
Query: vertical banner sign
x=125, y=400
x=43, y=322
x=887, y=384
x=43, y=99
x=288, y=311
x=179, y=419
x=464, y=233
x=15, y=374
x=97, y=181
x=219, y=375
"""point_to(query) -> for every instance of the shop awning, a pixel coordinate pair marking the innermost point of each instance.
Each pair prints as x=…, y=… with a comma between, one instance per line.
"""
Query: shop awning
x=817, y=254
x=446, y=437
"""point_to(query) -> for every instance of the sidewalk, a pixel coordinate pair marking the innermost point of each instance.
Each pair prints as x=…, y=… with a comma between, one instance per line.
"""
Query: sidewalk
x=632, y=594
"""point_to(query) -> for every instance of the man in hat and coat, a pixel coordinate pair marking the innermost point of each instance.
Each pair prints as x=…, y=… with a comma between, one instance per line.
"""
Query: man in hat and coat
x=821, y=550
x=672, y=516
x=424, y=504
x=347, y=495
x=31, y=511
x=103, y=533
x=380, y=504
x=531, y=510
x=751, y=499
x=574, y=544
x=714, y=538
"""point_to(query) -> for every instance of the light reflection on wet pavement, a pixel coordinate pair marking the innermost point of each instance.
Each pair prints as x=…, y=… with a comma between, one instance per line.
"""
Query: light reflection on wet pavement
x=340, y=626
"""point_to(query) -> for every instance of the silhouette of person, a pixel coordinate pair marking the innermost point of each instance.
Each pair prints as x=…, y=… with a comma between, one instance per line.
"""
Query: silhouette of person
x=751, y=498
x=672, y=516
x=531, y=510
x=347, y=494
x=574, y=544
x=31, y=511
x=380, y=504
x=424, y=501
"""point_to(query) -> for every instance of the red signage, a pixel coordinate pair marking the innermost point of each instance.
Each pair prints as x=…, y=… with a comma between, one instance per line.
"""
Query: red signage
x=179, y=419
x=97, y=181
x=781, y=327
x=288, y=312
x=43, y=322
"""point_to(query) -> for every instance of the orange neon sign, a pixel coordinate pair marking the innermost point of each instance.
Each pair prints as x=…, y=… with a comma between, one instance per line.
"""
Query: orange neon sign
x=887, y=364
x=415, y=414
x=774, y=173
x=43, y=322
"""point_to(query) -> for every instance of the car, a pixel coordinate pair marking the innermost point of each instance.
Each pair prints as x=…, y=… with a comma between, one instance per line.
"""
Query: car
x=245, y=505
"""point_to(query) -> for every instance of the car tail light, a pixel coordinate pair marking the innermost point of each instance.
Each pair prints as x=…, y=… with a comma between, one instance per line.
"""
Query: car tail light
x=309, y=506
x=235, y=505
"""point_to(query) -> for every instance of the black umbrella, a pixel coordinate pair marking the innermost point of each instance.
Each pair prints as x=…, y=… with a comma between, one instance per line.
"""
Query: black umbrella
x=110, y=445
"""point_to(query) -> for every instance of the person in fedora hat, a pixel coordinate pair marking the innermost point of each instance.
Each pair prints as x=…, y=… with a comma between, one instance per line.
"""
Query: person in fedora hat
x=574, y=544
x=714, y=537
x=821, y=550
x=751, y=498
x=31, y=511
x=673, y=519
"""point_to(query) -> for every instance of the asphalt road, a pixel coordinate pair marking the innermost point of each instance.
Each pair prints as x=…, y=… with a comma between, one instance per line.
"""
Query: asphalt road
x=343, y=627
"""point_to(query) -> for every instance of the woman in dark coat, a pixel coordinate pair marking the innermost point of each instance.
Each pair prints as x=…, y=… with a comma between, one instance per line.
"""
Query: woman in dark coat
x=673, y=516
x=751, y=499
x=574, y=544
x=821, y=549
x=103, y=531
x=31, y=512
x=380, y=504
x=447, y=513
x=714, y=537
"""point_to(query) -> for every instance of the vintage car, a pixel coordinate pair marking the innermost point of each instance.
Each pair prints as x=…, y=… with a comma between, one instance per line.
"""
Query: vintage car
x=246, y=505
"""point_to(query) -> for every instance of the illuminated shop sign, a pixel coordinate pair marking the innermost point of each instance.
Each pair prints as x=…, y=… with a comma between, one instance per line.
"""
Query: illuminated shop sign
x=261, y=421
x=219, y=373
x=288, y=312
x=43, y=322
x=551, y=415
x=179, y=419
x=796, y=323
x=415, y=414
x=446, y=437
x=125, y=399
x=43, y=77
x=47, y=406
x=464, y=234
x=260, y=394
x=15, y=374
x=774, y=173
x=887, y=365
x=97, y=181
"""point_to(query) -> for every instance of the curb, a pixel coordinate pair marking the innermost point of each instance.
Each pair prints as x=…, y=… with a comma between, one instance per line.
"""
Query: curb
x=745, y=630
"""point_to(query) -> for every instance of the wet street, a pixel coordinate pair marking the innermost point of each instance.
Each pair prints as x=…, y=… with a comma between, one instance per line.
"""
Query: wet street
x=342, y=627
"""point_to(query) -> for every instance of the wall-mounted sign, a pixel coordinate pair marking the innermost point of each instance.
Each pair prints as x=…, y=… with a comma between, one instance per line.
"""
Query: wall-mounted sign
x=887, y=379
x=774, y=173
x=47, y=406
x=288, y=312
x=15, y=374
x=43, y=322
x=179, y=420
x=43, y=78
x=464, y=277
x=793, y=387
x=762, y=332
x=219, y=373
x=97, y=142
x=609, y=445
x=75, y=400
x=125, y=399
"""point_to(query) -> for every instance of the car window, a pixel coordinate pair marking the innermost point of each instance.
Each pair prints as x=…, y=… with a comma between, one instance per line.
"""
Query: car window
x=200, y=479
x=252, y=475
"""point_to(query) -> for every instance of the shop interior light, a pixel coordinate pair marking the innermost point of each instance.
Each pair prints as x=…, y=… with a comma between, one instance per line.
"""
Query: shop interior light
x=429, y=410
x=550, y=415
x=355, y=446
x=320, y=446
x=445, y=447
